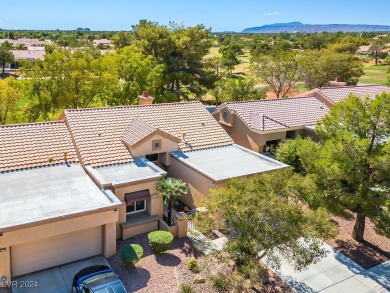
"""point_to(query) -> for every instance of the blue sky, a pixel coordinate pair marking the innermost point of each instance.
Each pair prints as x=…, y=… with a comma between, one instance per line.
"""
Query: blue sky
x=220, y=15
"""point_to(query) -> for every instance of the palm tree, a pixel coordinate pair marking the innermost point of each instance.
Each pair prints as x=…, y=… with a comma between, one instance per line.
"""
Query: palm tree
x=171, y=189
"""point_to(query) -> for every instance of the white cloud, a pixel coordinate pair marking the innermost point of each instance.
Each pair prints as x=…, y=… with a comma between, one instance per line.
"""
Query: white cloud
x=273, y=13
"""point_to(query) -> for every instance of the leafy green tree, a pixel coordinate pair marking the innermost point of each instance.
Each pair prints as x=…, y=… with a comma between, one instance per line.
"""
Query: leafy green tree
x=181, y=49
x=237, y=89
x=376, y=48
x=6, y=55
x=121, y=39
x=261, y=47
x=280, y=72
x=171, y=189
x=347, y=44
x=9, y=98
x=131, y=72
x=65, y=80
x=351, y=163
x=263, y=215
x=229, y=55
x=318, y=68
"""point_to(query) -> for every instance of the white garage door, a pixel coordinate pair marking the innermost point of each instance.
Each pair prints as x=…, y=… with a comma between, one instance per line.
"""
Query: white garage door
x=49, y=252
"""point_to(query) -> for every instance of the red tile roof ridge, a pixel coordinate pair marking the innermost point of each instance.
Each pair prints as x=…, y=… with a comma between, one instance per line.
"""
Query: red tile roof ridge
x=131, y=106
x=31, y=124
x=265, y=100
x=353, y=86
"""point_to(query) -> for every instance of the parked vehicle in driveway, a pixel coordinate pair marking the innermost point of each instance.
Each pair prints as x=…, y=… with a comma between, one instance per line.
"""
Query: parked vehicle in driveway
x=97, y=279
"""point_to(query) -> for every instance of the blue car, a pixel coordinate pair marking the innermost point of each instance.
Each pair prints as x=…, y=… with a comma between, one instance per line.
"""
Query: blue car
x=97, y=279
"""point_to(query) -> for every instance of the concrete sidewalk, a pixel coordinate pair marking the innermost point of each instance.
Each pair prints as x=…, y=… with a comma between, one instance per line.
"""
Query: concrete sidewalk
x=336, y=273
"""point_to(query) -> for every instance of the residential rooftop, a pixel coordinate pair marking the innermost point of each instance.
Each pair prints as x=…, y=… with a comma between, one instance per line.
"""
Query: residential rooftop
x=49, y=193
x=336, y=94
x=35, y=145
x=28, y=54
x=264, y=115
x=98, y=133
x=138, y=170
x=222, y=163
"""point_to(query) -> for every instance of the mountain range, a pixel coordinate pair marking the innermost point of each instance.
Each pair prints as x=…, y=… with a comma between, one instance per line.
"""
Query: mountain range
x=298, y=27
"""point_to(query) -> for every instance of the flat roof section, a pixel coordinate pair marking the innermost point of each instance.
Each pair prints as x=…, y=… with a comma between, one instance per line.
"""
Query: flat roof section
x=139, y=170
x=226, y=162
x=40, y=194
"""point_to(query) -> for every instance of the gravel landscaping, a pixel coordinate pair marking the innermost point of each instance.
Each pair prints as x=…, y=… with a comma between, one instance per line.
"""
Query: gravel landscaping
x=373, y=251
x=168, y=271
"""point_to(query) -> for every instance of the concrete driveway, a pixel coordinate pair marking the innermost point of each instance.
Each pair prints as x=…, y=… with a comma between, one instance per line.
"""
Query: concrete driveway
x=58, y=279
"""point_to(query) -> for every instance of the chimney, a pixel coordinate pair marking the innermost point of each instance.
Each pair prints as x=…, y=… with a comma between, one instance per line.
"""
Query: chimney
x=145, y=99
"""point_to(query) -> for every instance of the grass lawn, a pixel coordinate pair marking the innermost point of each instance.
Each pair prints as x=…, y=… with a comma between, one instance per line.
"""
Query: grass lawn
x=377, y=67
x=375, y=73
x=301, y=87
x=375, y=81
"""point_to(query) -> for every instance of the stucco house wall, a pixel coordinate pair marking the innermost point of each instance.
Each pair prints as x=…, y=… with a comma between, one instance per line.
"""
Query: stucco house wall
x=198, y=184
x=106, y=220
x=154, y=205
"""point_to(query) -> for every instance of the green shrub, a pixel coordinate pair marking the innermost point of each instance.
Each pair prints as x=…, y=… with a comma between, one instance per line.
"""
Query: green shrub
x=192, y=265
x=187, y=288
x=160, y=241
x=220, y=282
x=131, y=253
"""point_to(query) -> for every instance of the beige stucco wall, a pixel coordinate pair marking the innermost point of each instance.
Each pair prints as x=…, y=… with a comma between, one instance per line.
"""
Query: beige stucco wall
x=139, y=229
x=198, y=184
x=145, y=148
x=229, y=118
x=245, y=137
x=255, y=141
x=154, y=205
x=107, y=219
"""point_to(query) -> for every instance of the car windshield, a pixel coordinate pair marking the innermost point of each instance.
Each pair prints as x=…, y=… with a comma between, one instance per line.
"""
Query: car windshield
x=100, y=279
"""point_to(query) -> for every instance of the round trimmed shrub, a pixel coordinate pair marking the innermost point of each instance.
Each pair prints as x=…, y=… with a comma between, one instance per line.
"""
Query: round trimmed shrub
x=160, y=241
x=131, y=253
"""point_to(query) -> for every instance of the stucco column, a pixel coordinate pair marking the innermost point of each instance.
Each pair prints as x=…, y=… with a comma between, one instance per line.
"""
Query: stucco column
x=109, y=241
x=5, y=264
x=156, y=205
x=181, y=221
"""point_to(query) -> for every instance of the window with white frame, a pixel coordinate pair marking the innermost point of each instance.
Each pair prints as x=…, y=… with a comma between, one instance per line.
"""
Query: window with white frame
x=136, y=206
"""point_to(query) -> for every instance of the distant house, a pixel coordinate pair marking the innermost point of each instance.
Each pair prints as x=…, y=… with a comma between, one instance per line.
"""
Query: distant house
x=30, y=55
x=102, y=43
x=363, y=50
x=261, y=125
x=331, y=95
x=27, y=42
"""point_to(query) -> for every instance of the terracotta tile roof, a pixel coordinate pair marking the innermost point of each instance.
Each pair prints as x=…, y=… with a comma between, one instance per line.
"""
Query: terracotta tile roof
x=34, y=145
x=137, y=130
x=266, y=115
x=98, y=132
x=336, y=94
